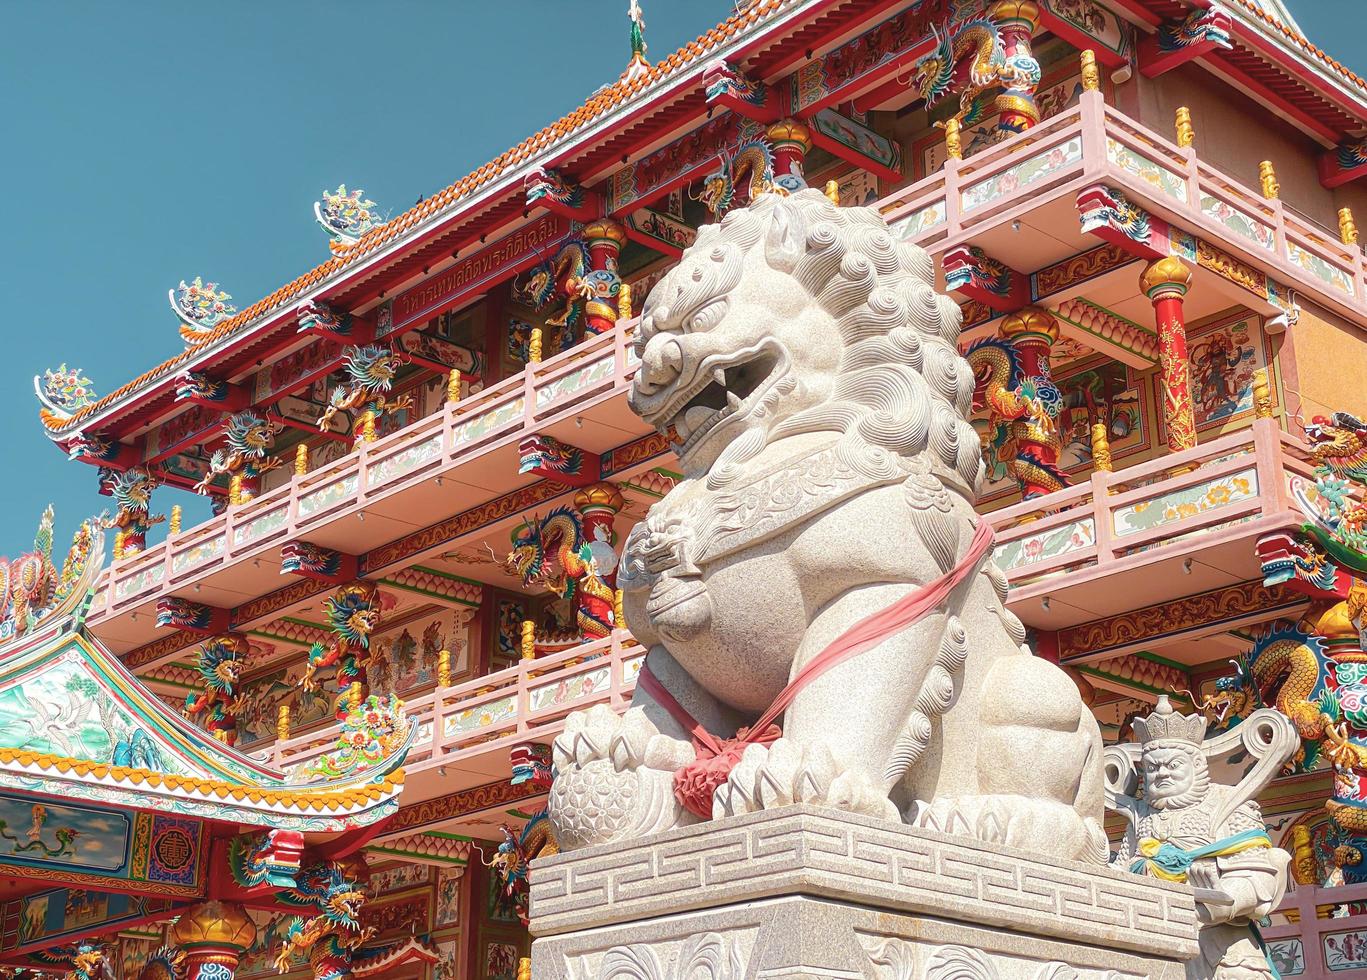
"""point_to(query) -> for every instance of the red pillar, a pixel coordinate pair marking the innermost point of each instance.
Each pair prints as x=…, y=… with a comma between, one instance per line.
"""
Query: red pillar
x=595, y=603
x=1017, y=21
x=604, y=239
x=1165, y=283
x=213, y=936
x=790, y=140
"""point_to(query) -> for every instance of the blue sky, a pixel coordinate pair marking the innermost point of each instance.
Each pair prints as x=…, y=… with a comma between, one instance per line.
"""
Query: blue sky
x=149, y=141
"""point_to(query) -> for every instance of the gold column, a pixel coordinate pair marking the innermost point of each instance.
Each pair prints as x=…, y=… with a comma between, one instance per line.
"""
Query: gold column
x=1091, y=74
x=1262, y=395
x=1348, y=229
x=174, y=526
x=528, y=640
x=1101, y=448
x=1267, y=177
x=1186, y=136
x=301, y=459
x=954, y=147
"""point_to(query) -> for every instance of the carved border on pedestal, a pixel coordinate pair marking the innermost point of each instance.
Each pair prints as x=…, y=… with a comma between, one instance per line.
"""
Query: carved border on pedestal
x=823, y=853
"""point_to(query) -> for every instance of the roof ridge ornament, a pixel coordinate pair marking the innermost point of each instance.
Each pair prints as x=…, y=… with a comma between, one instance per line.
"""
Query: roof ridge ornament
x=201, y=306
x=65, y=391
x=346, y=216
x=639, y=63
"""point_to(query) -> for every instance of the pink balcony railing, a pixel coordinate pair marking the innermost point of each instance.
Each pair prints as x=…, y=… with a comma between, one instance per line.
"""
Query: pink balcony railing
x=1089, y=143
x=527, y=702
x=1231, y=487
x=595, y=371
x=1092, y=143
x=1314, y=947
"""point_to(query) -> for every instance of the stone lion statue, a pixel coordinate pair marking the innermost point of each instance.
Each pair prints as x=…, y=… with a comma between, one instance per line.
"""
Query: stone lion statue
x=808, y=373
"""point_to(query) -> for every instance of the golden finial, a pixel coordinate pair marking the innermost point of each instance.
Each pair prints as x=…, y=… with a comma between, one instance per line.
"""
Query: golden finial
x=954, y=146
x=453, y=386
x=444, y=669
x=235, y=489
x=528, y=640
x=833, y=192
x=368, y=426
x=1091, y=75
x=1348, y=229
x=119, y=537
x=524, y=968
x=174, y=526
x=354, y=696
x=1186, y=136
x=534, y=346
x=1268, y=178
x=1101, y=448
x=619, y=619
x=301, y=459
x=282, y=723
x=1262, y=395
x=624, y=302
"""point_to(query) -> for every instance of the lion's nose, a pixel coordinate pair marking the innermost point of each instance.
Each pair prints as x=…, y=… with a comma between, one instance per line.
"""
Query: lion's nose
x=661, y=363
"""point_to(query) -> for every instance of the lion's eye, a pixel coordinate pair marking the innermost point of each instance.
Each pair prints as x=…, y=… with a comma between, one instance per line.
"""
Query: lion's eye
x=707, y=317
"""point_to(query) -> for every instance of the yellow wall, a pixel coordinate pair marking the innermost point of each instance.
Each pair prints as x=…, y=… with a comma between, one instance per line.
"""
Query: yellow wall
x=1330, y=365
x=1234, y=133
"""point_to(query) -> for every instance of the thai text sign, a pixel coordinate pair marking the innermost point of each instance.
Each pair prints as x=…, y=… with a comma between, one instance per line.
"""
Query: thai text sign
x=507, y=256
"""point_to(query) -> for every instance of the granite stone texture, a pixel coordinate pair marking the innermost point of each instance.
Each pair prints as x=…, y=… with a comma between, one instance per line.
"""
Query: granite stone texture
x=806, y=892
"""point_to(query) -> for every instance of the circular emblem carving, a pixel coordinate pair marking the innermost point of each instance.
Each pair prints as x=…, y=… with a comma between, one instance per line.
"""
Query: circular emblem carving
x=173, y=849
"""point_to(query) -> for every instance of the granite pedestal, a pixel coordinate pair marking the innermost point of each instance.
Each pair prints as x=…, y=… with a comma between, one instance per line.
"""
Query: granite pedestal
x=803, y=892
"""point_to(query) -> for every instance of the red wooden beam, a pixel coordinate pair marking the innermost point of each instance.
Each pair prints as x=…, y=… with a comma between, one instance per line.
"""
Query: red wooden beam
x=727, y=87
x=659, y=232
x=971, y=271
x=1078, y=38
x=549, y=458
x=1344, y=164
x=1178, y=42
x=324, y=320
x=548, y=188
x=192, y=617
x=199, y=388
x=315, y=562
x=1221, y=62
x=99, y=451
x=852, y=141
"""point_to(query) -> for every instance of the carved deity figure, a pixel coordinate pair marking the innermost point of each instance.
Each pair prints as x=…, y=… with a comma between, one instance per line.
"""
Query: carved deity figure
x=1189, y=828
x=823, y=619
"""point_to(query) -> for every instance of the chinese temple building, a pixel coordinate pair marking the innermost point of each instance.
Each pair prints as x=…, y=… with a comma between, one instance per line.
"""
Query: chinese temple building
x=311, y=733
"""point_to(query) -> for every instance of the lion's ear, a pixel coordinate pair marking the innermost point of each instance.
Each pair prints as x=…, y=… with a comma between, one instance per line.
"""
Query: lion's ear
x=786, y=241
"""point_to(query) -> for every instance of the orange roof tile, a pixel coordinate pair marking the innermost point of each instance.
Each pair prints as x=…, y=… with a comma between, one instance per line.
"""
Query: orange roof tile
x=1301, y=41
x=603, y=100
x=609, y=97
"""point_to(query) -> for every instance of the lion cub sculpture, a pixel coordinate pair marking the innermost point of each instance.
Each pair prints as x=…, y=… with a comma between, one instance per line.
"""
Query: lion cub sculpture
x=808, y=375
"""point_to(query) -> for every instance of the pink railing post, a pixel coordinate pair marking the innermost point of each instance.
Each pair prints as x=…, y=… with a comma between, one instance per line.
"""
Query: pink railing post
x=1101, y=515
x=1093, y=122
x=952, y=202
x=1267, y=450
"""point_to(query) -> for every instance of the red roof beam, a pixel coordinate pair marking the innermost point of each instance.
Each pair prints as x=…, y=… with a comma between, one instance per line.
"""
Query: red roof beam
x=1177, y=42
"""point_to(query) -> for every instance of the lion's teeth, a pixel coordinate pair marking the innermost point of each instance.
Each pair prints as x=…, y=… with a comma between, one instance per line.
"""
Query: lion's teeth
x=696, y=417
x=719, y=376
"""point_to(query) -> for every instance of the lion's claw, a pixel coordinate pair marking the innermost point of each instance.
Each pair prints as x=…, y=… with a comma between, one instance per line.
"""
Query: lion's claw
x=781, y=773
x=614, y=778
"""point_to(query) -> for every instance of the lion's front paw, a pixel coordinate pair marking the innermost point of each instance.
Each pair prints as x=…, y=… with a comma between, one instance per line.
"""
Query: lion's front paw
x=614, y=778
x=781, y=773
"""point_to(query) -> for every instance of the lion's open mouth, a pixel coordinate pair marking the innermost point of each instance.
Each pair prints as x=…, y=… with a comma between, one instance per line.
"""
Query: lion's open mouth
x=724, y=389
